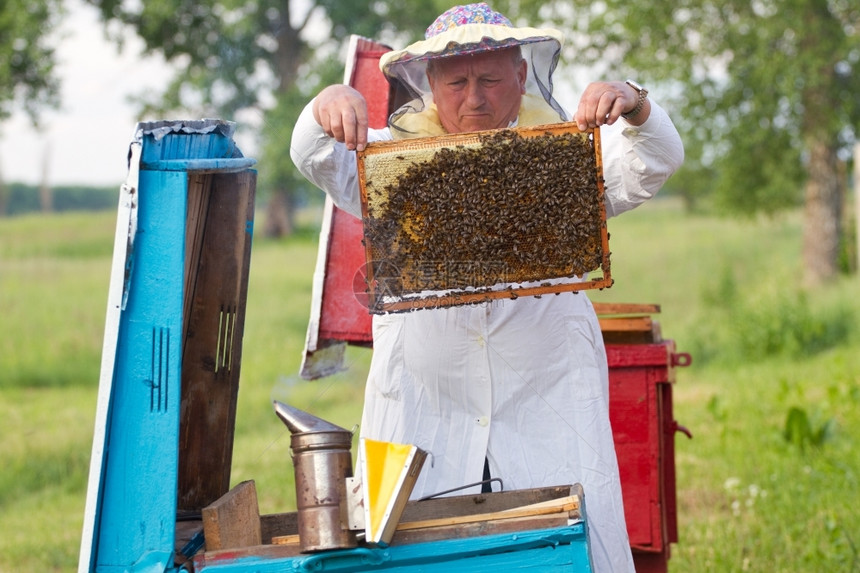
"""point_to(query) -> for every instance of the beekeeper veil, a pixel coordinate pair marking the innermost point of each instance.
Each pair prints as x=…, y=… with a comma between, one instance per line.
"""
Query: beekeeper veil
x=472, y=29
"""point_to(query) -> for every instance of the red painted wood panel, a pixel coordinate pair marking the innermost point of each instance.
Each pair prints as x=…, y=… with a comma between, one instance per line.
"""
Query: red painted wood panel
x=343, y=316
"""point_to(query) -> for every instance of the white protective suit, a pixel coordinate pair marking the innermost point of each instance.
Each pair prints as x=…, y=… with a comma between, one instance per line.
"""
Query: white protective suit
x=522, y=383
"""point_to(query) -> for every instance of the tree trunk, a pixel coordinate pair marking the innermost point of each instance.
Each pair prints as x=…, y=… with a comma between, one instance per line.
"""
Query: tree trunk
x=280, y=214
x=4, y=194
x=279, y=220
x=46, y=193
x=46, y=198
x=822, y=215
x=857, y=206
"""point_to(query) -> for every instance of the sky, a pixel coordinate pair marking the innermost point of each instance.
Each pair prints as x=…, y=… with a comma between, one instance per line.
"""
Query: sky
x=86, y=141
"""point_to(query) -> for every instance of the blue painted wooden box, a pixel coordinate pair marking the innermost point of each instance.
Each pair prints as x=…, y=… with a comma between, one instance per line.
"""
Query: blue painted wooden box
x=175, y=308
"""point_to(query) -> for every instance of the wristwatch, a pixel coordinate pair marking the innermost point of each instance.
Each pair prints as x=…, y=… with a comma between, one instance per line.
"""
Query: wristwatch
x=643, y=95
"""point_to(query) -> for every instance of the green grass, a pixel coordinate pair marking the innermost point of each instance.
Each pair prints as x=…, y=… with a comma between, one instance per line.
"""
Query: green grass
x=749, y=498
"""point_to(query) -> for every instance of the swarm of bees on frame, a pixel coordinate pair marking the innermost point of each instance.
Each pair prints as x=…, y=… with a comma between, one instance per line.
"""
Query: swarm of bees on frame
x=510, y=209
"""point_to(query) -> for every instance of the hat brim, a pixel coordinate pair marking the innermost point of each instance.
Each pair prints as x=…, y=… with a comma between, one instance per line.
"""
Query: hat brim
x=468, y=39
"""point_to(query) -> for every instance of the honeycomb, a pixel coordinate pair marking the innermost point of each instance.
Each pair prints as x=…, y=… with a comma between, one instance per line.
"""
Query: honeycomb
x=453, y=219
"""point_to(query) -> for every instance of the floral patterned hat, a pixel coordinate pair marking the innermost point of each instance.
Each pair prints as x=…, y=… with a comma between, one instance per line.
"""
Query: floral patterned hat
x=479, y=13
x=471, y=29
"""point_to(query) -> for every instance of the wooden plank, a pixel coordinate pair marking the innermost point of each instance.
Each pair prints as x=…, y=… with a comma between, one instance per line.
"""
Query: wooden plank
x=466, y=530
x=279, y=524
x=233, y=521
x=199, y=188
x=126, y=227
x=286, y=539
x=461, y=530
x=626, y=324
x=218, y=251
x=257, y=554
x=284, y=525
x=566, y=504
x=483, y=503
x=630, y=330
x=610, y=308
x=553, y=513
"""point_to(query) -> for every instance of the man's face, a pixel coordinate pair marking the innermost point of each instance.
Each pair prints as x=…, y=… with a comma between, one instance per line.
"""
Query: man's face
x=476, y=92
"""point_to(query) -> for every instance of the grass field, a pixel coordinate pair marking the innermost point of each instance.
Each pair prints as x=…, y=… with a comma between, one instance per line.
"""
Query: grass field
x=768, y=483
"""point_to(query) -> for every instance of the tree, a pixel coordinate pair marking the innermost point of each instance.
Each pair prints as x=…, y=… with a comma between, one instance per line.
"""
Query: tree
x=763, y=92
x=27, y=60
x=259, y=55
x=27, y=78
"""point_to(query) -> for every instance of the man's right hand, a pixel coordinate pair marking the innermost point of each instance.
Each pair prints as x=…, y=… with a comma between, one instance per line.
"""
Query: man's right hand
x=342, y=113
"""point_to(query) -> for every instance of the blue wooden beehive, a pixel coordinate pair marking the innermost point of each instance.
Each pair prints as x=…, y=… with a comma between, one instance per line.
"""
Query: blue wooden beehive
x=176, y=299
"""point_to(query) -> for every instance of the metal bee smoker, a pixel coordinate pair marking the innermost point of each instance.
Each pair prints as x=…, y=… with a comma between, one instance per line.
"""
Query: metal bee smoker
x=322, y=461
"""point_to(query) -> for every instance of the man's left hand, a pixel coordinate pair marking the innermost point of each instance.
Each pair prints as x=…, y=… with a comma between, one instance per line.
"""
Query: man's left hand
x=602, y=103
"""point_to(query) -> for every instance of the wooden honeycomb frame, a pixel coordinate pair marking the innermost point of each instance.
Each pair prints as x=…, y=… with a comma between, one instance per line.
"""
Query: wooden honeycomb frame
x=468, y=218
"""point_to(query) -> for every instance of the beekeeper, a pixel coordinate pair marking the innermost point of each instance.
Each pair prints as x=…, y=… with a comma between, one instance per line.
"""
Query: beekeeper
x=514, y=389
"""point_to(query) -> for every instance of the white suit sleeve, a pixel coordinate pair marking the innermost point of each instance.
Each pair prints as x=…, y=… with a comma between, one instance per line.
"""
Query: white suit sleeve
x=637, y=160
x=326, y=163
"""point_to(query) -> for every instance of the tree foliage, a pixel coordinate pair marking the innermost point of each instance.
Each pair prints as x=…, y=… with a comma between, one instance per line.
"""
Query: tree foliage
x=27, y=58
x=750, y=82
x=764, y=93
x=232, y=55
x=22, y=198
x=266, y=56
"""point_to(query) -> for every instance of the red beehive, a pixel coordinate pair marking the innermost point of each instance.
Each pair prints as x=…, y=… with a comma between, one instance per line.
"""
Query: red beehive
x=641, y=374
